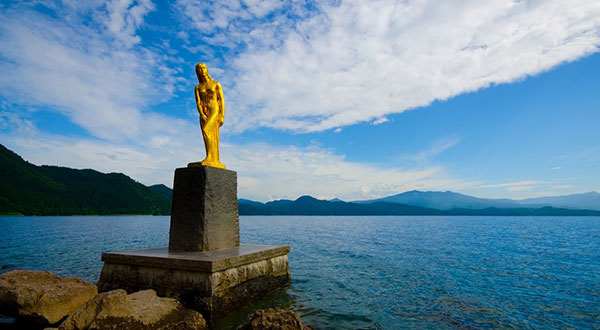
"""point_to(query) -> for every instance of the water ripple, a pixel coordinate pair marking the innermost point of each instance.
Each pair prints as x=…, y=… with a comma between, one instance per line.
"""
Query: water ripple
x=371, y=272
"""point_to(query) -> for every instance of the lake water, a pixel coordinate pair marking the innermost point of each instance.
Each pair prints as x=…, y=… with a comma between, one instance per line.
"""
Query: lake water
x=371, y=272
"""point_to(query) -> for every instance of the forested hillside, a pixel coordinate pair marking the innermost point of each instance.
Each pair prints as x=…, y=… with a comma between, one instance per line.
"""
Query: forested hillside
x=51, y=190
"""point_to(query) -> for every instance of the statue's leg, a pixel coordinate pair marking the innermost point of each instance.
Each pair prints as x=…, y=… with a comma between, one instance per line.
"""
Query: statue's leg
x=210, y=132
x=209, y=145
x=206, y=143
x=215, y=151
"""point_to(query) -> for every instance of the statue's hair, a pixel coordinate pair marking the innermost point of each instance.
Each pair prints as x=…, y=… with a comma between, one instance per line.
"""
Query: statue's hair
x=199, y=65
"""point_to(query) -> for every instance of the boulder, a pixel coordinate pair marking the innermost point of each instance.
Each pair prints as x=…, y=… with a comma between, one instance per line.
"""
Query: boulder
x=42, y=297
x=274, y=319
x=140, y=310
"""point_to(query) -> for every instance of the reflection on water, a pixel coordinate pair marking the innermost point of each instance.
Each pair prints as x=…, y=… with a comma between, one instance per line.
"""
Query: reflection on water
x=371, y=272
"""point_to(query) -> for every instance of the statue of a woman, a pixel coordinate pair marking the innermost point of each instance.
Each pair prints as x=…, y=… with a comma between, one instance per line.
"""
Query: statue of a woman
x=211, y=107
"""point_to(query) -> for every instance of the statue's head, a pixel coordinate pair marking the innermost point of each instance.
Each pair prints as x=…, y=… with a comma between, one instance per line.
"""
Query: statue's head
x=202, y=71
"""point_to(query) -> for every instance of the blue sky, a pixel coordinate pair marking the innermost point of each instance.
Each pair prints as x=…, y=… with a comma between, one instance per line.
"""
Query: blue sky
x=340, y=99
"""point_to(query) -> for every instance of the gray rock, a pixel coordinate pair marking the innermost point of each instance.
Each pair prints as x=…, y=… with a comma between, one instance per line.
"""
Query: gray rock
x=274, y=319
x=42, y=297
x=140, y=310
x=204, y=215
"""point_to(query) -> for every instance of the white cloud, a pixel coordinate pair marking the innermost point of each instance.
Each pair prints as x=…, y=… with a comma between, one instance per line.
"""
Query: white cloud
x=125, y=16
x=512, y=184
x=359, y=61
x=379, y=120
x=290, y=67
x=231, y=22
x=73, y=70
x=260, y=8
x=265, y=172
x=269, y=172
x=426, y=156
x=562, y=186
x=220, y=31
x=15, y=123
x=519, y=188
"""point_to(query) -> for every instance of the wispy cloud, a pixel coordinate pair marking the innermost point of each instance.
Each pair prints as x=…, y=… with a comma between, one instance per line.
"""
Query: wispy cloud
x=380, y=120
x=226, y=16
x=426, y=156
x=265, y=171
x=512, y=184
x=287, y=172
x=520, y=188
x=562, y=186
x=354, y=62
x=589, y=155
x=124, y=18
x=76, y=71
x=294, y=66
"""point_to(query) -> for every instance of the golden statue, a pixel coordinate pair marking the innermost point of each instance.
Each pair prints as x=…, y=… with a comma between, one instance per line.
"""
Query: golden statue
x=211, y=107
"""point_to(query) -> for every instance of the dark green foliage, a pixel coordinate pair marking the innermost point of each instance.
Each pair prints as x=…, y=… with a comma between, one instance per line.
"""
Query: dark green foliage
x=162, y=189
x=51, y=190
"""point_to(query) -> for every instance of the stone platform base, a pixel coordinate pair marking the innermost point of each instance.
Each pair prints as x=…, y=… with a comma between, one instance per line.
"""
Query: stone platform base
x=211, y=282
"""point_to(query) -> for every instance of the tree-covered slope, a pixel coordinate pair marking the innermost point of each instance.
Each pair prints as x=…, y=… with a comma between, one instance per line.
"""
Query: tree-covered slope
x=162, y=189
x=51, y=190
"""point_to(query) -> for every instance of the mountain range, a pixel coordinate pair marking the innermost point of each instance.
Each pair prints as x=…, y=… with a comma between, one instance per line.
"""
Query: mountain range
x=448, y=200
x=409, y=205
x=29, y=189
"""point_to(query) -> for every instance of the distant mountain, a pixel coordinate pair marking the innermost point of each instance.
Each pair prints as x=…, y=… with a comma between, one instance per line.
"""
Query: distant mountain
x=51, y=190
x=307, y=205
x=450, y=200
x=444, y=200
x=587, y=201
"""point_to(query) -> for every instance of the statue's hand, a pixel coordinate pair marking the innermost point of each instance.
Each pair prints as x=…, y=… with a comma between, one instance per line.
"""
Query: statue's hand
x=203, y=115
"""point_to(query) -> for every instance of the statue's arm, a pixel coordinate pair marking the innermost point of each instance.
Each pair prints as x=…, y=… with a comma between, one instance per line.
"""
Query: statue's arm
x=199, y=104
x=221, y=105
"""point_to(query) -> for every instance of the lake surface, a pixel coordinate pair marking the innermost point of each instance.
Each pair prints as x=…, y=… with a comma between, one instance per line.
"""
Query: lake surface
x=371, y=272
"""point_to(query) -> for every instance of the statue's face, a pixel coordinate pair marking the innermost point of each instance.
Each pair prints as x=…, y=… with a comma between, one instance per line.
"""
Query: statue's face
x=201, y=69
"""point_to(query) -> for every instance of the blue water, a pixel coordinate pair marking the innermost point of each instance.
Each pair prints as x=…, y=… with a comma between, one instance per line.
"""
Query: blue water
x=372, y=272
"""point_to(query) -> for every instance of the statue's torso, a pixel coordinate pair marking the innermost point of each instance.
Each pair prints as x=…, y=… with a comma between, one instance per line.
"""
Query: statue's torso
x=209, y=95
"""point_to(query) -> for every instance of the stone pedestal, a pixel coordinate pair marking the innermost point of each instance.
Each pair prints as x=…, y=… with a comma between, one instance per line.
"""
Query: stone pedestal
x=204, y=266
x=204, y=213
x=212, y=283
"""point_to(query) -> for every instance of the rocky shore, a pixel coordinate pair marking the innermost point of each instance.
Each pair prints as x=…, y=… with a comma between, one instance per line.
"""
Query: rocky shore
x=38, y=299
